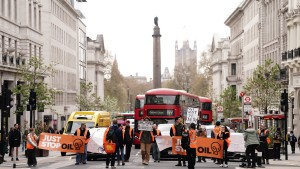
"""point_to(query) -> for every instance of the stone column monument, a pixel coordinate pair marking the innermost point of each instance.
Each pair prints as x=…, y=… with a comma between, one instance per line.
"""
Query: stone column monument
x=156, y=55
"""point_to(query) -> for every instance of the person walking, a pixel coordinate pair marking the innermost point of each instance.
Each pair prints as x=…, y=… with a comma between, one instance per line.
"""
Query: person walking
x=120, y=145
x=201, y=132
x=251, y=143
x=176, y=130
x=31, y=146
x=191, y=150
x=292, y=139
x=264, y=141
x=128, y=139
x=82, y=131
x=214, y=134
x=110, y=136
x=154, y=147
x=277, y=144
x=146, y=138
x=224, y=135
x=15, y=141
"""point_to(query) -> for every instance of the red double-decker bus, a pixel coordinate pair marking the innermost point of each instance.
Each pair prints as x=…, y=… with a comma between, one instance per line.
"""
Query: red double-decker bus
x=162, y=105
x=138, y=115
x=206, y=110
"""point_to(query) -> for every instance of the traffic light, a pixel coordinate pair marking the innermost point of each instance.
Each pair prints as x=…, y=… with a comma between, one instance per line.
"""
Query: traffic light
x=284, y=101
x=9, y=99
x=32, y=99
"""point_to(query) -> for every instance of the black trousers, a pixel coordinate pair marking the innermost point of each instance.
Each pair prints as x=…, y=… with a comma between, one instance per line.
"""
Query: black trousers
x=110, y=158
x=181, y=158
x=276, y=150
x=128, y=150
x=225, y=159
x=191, y=157
x=265, y=150
x=293, y=146
x=250, y=150
x=31, y=156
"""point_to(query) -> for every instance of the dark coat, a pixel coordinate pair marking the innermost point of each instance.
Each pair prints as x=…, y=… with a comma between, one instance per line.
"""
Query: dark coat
x=14, y=138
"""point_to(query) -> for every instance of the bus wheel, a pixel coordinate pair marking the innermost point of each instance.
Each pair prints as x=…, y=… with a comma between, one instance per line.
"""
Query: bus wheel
x=137, y=146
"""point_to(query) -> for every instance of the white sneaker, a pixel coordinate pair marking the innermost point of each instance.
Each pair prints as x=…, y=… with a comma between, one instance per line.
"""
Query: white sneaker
x=221, y=165
x=225, y=166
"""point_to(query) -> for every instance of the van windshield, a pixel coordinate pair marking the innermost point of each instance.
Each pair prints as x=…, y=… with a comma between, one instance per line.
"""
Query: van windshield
x=72, y=126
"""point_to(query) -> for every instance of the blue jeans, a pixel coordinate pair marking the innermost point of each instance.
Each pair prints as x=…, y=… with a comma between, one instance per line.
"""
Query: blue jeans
x=122, y=153
x=81, y=157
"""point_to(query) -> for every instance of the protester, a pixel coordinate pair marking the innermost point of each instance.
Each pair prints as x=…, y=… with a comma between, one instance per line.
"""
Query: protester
x=15, y=141
x=154, y=147
x=191, y=150
x=82, y=131
x=224, y=135
x=128, y=139
x=214, y=133
x=292, y=139
x=264, y=140
x=251, y=143
x=146, y=138
x=111, y=137
x=120, y=144
x=31, y=146
x=201, y=132
x=176, y=130
x=277, y=144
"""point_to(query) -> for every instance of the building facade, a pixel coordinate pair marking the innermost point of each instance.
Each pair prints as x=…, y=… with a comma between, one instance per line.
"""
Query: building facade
x=220, y=50
x=21, y=38
x=95, y=64
x=185, y=56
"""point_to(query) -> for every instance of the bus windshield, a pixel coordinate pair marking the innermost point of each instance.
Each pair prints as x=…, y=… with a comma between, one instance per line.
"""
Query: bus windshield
x=139, y=103
x=206, y=106
x=162, y=100
x=74, y=125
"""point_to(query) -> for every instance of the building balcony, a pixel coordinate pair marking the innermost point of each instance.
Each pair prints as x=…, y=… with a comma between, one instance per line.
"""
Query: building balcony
x=291, y=58
x=231, y=78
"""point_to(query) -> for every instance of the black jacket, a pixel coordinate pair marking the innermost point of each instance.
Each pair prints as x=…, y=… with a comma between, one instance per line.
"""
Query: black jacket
x=15, y=138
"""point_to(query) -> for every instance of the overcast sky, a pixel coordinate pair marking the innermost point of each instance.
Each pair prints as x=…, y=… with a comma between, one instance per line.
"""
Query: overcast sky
x=127, y=27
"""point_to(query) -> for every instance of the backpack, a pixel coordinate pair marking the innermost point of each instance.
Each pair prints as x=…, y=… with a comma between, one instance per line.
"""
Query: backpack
x=294, y=139
x=111, y=135
x=185, y=140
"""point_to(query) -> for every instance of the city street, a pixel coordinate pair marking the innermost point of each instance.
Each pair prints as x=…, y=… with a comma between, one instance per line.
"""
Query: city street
x=55, y=161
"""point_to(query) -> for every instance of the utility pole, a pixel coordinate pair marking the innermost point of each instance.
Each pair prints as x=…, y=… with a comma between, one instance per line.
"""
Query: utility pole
x=32, y=107
x=284, y=107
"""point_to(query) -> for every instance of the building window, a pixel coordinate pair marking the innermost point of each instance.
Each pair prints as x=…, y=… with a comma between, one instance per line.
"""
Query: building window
x=3, y=8
x=16, y=11
x=9, y=9
x=30, y=50
x=35, y=17
x=233, y=69
x=40, y=20
x=30, y=15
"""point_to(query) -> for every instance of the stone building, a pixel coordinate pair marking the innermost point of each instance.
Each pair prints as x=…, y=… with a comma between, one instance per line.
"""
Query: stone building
x=185, y=56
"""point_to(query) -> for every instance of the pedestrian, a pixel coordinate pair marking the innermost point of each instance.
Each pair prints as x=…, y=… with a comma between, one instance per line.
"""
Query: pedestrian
x=24, y=139
x=15, y=141
x=176, y=130
x=191, y=149
x=251, y=143
x=3, y=144
x=111, y=137
x=128, y=139
x=292, y=139
x=224, y=135
x=31, y=146
x=120, y=145
x=201, y=132
x=82, y=131
x=146, y=138
x=277, y=144
x=264, y=142
x=154, y=147
x=214, y=134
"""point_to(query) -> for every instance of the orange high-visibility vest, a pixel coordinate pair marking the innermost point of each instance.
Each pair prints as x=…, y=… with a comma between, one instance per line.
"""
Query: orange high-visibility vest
x=150, y=133
x=217, y=131
x=265, y=132
x=193, y=138
x=130, y=132
x=28, y=145
x=84, y=135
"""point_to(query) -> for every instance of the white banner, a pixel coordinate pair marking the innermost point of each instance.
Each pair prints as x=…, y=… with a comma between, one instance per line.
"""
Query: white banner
x=237, y=143
x=145, y=125
x=192, y=115
x=95, y=144
x=163, y=142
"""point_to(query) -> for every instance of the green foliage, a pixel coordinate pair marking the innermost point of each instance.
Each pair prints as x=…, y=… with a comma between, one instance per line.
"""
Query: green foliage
x=32, y=75
x=264, y=87
x=110, y=104
x=87, y=100
x=230, y=103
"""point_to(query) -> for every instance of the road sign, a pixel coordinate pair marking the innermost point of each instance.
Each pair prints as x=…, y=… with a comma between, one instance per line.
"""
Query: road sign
x=247, y=100
x=242, y=94
x=220, y=108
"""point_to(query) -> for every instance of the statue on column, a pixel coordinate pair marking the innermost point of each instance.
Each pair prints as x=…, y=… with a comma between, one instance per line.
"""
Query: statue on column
x=156, y=21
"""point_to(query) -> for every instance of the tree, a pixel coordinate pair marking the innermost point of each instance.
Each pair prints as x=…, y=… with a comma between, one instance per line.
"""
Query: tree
x=110, y=104
x=87, y=100
x=264, y=87
x=230, y=103
x=184, y=76
x=32, y=76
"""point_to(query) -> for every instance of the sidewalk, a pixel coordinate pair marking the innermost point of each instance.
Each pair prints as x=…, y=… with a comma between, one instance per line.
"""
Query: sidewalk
x=22, y=163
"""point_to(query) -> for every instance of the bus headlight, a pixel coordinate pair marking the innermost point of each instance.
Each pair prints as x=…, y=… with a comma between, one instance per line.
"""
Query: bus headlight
x=170, y=112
